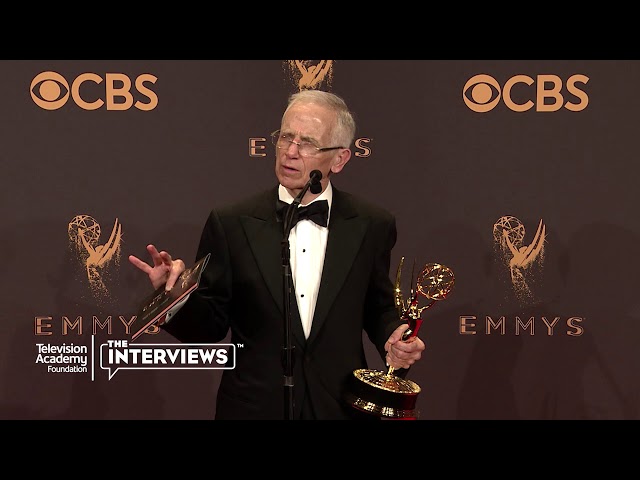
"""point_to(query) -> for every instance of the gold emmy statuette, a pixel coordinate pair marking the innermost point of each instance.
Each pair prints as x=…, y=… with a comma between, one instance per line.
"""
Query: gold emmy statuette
x=383, y=393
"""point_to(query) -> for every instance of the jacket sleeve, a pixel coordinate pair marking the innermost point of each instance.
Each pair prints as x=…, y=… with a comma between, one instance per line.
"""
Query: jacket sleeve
x=204, y=318
x=381, y=317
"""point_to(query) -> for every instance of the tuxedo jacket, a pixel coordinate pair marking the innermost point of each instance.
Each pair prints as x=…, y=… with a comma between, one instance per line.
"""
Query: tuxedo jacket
x=242, y=292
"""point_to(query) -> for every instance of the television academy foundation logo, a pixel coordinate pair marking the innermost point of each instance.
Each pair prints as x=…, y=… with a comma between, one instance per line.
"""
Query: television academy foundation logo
x=115, y=355
x=65, y=358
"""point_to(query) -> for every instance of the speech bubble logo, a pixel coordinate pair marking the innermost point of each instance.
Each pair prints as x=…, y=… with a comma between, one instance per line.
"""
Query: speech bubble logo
x=118, y=355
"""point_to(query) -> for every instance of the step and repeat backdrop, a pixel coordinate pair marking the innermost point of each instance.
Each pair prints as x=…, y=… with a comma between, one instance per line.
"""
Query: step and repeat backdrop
x=519, y=176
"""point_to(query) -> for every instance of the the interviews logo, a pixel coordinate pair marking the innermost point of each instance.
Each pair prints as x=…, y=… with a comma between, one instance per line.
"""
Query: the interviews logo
x=524, y=260
x=120, y=354
x=95, y=254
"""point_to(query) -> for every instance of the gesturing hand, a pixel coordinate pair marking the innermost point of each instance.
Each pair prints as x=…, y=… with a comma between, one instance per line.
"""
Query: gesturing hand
x=165, y=270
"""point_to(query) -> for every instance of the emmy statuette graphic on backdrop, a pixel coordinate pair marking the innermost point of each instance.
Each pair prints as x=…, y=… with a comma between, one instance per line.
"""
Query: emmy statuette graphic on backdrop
x=382, y=393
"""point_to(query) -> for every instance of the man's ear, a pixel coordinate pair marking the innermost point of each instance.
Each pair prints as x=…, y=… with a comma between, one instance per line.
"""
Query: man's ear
x=340, y=160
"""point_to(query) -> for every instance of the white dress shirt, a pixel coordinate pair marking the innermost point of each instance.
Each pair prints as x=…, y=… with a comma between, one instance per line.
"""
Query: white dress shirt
x=307, y=245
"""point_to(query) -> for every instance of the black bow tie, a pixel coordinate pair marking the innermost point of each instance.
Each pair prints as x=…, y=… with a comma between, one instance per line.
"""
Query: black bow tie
x=317, y=212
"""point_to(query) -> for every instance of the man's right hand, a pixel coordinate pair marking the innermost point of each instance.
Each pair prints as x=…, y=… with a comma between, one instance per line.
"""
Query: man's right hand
x=165, y=271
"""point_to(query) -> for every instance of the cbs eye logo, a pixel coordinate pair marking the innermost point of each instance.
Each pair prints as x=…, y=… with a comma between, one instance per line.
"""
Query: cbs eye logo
x=520, y=93
x=50, y=91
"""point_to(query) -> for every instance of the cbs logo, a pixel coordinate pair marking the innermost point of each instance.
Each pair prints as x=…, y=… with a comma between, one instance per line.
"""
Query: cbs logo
x=482, y=93
x=50, y=91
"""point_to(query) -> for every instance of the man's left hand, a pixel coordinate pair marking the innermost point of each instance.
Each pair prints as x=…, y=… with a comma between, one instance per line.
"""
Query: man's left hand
x=403, y=354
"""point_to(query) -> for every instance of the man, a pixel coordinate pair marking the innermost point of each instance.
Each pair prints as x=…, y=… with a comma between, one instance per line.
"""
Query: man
x=340, y=273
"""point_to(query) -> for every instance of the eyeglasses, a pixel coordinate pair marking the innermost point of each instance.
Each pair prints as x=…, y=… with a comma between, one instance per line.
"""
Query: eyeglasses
x=305, y=149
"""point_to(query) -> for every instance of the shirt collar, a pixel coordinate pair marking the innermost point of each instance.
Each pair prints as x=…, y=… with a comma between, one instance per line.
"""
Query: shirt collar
x=285, y=196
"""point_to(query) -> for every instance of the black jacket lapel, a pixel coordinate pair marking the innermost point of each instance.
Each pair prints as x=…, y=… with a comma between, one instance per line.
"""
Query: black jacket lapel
x=264, y=234
x=346, y=232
